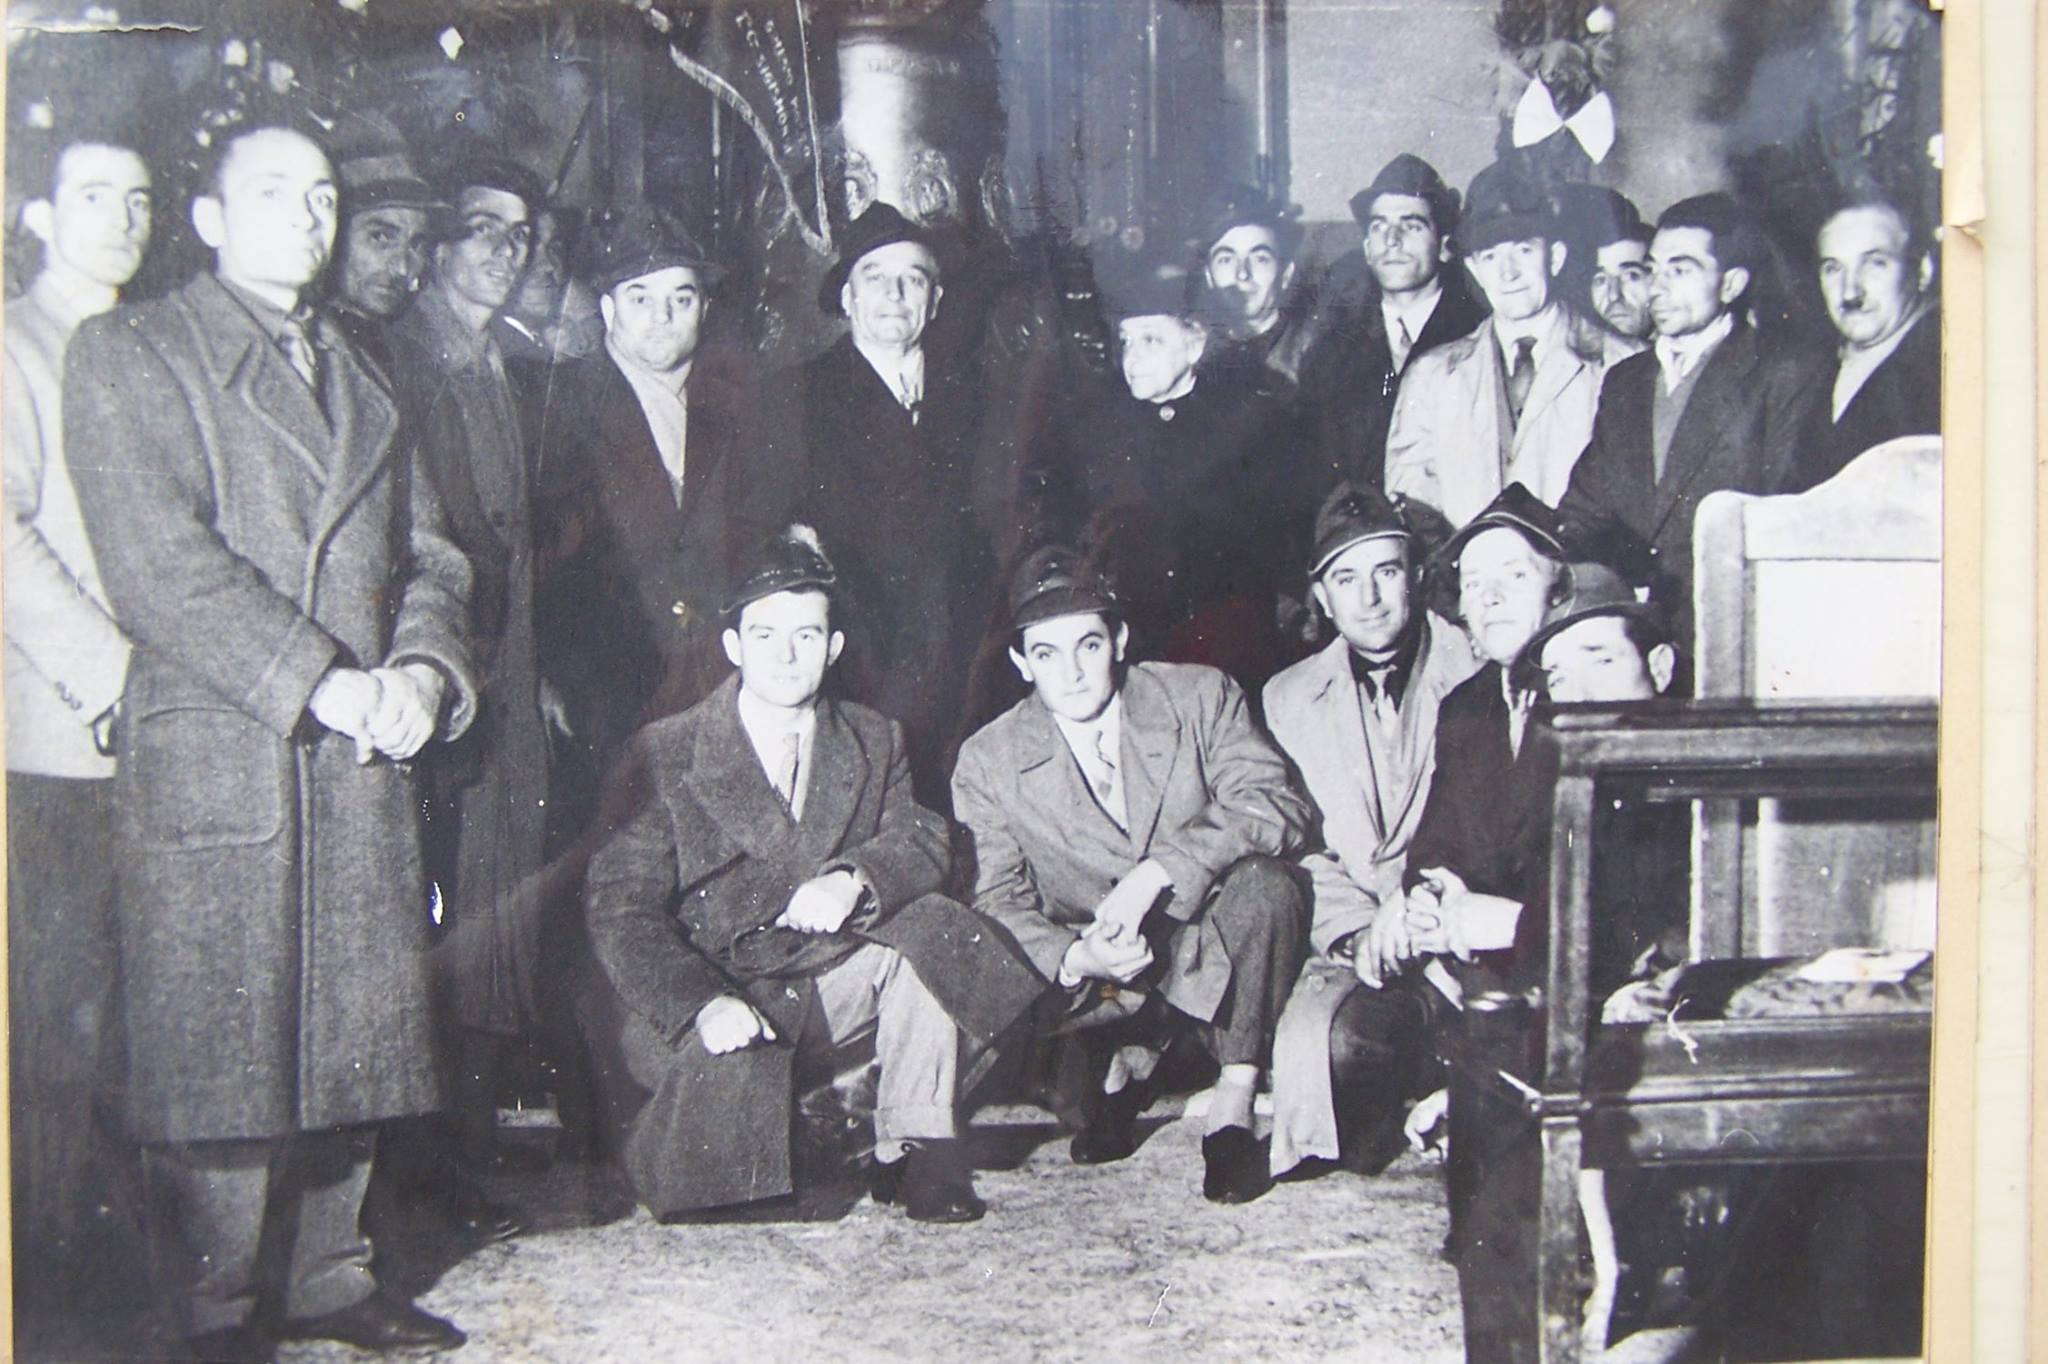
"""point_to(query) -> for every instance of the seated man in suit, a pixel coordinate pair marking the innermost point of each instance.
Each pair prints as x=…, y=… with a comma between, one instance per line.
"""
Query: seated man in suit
x=1358, y=720
x=1128, y=824
x=774, y=900
x=1877, y=276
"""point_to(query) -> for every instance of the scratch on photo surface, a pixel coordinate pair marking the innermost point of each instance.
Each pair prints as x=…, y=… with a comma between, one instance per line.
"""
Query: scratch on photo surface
x=1159, y=1304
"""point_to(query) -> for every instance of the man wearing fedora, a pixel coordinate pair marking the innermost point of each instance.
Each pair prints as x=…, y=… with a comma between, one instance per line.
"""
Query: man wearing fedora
x=638, y=448
x=487, y=817
x=390, y=217
x=1130, y=827
x=1513, y=400
x=1608, y=268
x=1411, y=304
x=1358, y=721
x=1245, y=253
x=775, y=899
x=873, y=442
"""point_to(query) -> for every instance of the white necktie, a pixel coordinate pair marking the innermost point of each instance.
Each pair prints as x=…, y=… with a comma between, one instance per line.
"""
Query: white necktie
x=1108, y=790
x=1404, y=342
x=786, y=783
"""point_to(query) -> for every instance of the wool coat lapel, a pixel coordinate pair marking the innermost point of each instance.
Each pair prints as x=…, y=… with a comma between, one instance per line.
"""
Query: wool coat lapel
x=366, y=417
x=1150, y=748
x=839, y=774
x=250, y=366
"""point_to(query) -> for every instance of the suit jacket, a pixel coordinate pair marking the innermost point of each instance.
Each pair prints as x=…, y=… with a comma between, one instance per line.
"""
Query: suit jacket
x=1313, y=712
x=1454, y=443
x=1349, y=378
x=1482, y=801
x=66, y=658
x=895, y=502
x=631, y=582
x=274, y=914
x=1203, y=789
x=1901, y=397
x=679, y=904
x=1751, y=407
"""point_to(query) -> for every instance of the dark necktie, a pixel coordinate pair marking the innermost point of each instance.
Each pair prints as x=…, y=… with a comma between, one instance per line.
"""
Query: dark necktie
x=1521, y=375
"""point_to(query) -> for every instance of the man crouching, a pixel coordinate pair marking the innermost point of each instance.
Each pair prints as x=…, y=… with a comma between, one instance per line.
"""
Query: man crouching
x=1128, y=824
x=772, y=901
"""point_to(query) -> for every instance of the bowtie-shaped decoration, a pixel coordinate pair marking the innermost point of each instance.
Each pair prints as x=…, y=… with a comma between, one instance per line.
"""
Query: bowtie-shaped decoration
x=1536, y=118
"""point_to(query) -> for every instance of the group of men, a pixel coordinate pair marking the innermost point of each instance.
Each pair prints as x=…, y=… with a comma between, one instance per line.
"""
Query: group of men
x=688, y=677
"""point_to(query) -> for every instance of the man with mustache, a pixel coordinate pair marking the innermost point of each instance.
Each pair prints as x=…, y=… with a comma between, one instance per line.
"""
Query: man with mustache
x=487, y=822
x=298, y=618
x=386, y=236
x=1513, y=400
x=1877, y=277
x=66, y=662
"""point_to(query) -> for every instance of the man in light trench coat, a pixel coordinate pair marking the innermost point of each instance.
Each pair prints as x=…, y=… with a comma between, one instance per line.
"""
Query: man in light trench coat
x=296, y=614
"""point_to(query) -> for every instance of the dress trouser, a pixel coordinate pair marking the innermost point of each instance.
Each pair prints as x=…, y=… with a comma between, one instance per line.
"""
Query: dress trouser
x=1261, y=911
x=916, y=1042
x=228, y=1216
x=62, y=973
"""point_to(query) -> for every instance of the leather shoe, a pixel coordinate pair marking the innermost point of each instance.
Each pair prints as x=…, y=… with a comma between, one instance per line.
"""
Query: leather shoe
x=380, y=1322
x=243, y=1344
x=1111, y=1133
x=1233, y=1166
x=938, y=1184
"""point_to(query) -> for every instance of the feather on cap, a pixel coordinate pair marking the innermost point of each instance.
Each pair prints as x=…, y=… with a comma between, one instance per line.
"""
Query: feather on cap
x=788, y=561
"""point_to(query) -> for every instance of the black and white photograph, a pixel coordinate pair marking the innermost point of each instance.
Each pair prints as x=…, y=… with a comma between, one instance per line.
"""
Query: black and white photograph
x=972, y=679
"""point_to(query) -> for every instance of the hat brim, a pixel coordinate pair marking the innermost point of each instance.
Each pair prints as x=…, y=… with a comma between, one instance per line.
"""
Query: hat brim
x=1485, y=233
x=709, y=273
x=1329, y=556
x=1062, y=601
x=836, y=277
x=754, y=591
x=1532, y=652
x=1498, y=519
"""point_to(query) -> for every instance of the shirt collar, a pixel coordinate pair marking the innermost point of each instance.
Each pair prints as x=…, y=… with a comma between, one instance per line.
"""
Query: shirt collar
x=1396, y=670
x=900, y=372
x=67, y=301
x=1541, y=329
x=1416, y=311
x=267, y=314
x=672, y=383
x=1110, y=724
x=1681, y=356
x=763, y=721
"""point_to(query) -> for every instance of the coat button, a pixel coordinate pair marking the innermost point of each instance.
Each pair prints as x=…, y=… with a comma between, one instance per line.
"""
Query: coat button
x=681, y=611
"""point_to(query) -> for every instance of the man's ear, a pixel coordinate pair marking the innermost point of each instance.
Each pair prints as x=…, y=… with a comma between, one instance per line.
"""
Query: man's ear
x=1558, y=252
x=1733, y=281
x=39, y=218
x=1023, y=668
x=1662, y=662
x=1123, y=639
x=605, y=309
x=1320, y=595
x=938, y=292
x=1926, y=275
x=846, y=298
x=832, y=648
x=1286, y=280
x=209, y=221
x=731, y=640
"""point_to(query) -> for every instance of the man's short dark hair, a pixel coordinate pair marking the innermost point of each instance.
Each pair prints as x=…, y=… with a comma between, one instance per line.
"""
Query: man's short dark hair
x=492, y=172
x=211, y=183
x=1737, y=241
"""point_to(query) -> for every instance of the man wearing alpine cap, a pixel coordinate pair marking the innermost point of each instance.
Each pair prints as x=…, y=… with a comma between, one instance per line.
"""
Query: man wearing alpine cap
x=1129, y=826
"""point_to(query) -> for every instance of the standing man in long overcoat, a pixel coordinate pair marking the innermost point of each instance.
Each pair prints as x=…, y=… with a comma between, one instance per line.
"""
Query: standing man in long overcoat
x=488, y=821
x=296, y=612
